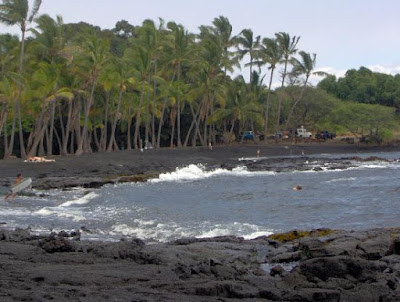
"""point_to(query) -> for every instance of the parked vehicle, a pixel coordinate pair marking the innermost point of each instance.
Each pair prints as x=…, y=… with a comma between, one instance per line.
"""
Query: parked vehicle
x=303, y=133
x=325, y=135
x=248, y=135
x=285, y=134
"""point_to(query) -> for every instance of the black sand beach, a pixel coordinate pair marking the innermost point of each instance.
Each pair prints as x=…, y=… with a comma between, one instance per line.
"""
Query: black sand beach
x=327, y=265
x=93, y=170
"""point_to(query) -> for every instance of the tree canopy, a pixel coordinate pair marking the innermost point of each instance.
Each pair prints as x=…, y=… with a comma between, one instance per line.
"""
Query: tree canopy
x=84, y=89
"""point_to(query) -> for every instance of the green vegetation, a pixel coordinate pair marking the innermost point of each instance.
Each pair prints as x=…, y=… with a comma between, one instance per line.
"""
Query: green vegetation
x=293, y=235
x=365, y=86
x=75, y=88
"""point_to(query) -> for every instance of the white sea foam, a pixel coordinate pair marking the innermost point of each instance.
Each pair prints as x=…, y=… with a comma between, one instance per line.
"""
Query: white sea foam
x=158, y=232
x=44, y=212
x=195, y=172
x=80, y=201
x=257, y=234
x=152, y=230
x=74, y=217
x=343, y=179
x=60, y=212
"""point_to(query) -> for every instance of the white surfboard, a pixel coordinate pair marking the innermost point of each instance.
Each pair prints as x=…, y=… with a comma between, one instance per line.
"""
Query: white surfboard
x=22, y=185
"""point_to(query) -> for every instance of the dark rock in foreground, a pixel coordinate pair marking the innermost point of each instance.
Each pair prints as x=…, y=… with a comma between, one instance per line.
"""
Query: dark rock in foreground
x=339, y=266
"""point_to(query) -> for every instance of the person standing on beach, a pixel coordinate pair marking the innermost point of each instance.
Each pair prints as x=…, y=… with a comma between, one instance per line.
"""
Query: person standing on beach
x=16, y=181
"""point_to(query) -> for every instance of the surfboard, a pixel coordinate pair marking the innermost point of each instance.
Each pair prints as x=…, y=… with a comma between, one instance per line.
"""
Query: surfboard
x=22, y=185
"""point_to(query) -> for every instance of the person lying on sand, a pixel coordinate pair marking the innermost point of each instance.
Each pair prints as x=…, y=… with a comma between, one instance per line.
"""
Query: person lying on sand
x=38, y=159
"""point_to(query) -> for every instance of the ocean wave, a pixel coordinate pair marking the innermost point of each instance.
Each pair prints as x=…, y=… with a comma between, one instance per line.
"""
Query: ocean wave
x=196, y=172
x=162, y=232
x=73, y=215
x=80, y=201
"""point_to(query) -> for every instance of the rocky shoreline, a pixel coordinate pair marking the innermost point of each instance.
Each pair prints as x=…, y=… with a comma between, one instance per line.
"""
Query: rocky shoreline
x=321, y=265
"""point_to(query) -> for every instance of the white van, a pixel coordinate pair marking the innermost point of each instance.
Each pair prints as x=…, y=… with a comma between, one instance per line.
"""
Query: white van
x=303, y=133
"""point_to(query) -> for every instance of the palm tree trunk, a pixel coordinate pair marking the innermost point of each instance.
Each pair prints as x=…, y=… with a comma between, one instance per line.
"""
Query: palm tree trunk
x=18, y=99
x=173, y=120
x=38, y=137
x=267, y=107
x=11, y=143
x=103, y=138
x=58, y=140
x=194, y=122
x=153, y=109
x=50, y=142
x=205, y=126
x=96, y=139
x=178, y=122
x=115, y=121
x=161, y=122
x=128, y=134
x=278, y=119
x=197, y=130
x=3, y=118
x=5, y=142
x=84, y=136
x=146, y=124
x=137, y=122
x=68, y=129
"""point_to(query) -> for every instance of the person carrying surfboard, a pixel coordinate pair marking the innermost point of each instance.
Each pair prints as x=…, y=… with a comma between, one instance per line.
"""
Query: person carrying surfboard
x=16, y=181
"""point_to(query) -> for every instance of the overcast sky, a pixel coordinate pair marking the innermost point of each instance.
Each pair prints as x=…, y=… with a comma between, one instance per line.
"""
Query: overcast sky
x=344, y=34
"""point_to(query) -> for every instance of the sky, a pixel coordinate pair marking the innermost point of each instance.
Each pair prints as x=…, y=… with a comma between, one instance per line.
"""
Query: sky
x=345, y=34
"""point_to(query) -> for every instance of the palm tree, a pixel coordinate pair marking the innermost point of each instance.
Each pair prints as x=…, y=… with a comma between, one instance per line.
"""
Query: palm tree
x=305, y=66
x=271, y=54
x=16, y=12
x=121, y=76
x=8, y=91
x=222, y=30
x=248, y=45
x=288, y=46
x=141, y=62
x=150, y=38
x=46, y=81
x=95, y=57
x=50, y=39
x=181, y=52
x=242, y=108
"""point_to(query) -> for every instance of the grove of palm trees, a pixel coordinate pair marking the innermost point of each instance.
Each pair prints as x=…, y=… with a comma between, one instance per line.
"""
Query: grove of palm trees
x=74, y=88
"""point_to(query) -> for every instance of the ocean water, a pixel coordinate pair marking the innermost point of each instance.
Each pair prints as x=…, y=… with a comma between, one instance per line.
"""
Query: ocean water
x=193, y=202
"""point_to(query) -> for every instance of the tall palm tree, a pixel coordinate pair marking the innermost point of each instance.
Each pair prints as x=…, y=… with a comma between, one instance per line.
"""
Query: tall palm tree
x=150, y=38
x=94, y=58
x=181, y=52
x=141, y=62
x=248, y=45
x=271, y=54
x=121, y=75
x=16, y=12
x=288, y=46
x=305, y=66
